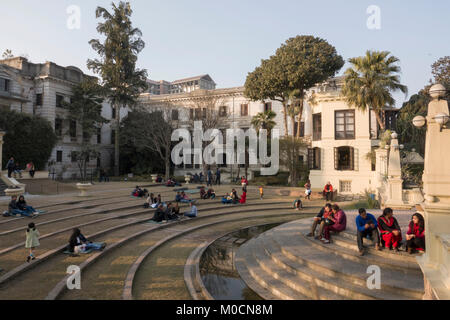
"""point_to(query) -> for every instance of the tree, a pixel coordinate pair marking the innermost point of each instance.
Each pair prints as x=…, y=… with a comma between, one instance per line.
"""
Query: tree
x=7, y=54
x=82, y=158
x=441, y=72
x=28, y=138
x=205, y=105
x=145, y=138
x=409, y=135
x=269, y=81
x=370, y=81
x=299, y=64
x=118, y=53
x=85, y=106
x=264, y=120
x=307, y=61
x=290, y=151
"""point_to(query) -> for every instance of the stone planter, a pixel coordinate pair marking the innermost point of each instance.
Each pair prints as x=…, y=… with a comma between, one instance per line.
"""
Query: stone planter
x=14, y=191
x=154, y=177
x=84, y=188
x=187, y=178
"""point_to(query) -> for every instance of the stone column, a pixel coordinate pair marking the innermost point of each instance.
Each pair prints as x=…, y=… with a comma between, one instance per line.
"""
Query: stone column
x=2, y=133
x=395, y=188
x=436, y=181
x=381, y=173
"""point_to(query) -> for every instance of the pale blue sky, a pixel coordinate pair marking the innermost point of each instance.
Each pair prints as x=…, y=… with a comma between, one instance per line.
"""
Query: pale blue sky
x=227, y=39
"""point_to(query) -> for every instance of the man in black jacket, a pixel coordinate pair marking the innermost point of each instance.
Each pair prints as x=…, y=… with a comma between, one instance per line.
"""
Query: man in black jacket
x=318, y=220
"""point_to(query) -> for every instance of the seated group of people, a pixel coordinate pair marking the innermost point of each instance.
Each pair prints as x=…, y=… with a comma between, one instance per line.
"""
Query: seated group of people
x=234, y=198
x=166, y=212
x=210, y=194
x=20, y=208
x=171, y=182
x=182, y=197
x=139, y=192
x=333, y=219
x=153, y=201
x=386, y=232
x=330, y=218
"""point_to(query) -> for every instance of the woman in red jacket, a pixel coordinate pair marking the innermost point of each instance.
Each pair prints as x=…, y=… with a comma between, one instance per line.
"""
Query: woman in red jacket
x=415, y=237
x=336, y=222
x=390, y=231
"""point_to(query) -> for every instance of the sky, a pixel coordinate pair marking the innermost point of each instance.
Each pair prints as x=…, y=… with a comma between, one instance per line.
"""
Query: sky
x=228, y=39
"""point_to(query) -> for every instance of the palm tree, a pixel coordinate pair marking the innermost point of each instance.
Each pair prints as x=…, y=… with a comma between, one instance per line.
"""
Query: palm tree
x=370, y=81
x=264, y=120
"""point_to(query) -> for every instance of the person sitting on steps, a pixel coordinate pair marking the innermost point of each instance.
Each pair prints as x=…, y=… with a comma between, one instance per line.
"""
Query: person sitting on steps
x=328, y=191
x=226, y=199
x=193, y=213
x=78, y=243
x=244, y=196
x=210, y=194
x=234, y=196
x=337, y=222
x=298, y=204
x=13, y=209
x=366, y=225
x=202, y=193
x=160, y=214
x=415, y=237
x=321, y=216
x=391, y=233
x=22, y=205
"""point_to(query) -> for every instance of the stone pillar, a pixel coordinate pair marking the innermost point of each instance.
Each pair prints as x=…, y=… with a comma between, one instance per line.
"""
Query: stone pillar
x=395, y=182
x=2, y=133
x=436, y=181
x=381, y=173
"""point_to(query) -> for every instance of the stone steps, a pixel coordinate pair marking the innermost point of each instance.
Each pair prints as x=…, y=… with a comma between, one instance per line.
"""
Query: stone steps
x=300, y=268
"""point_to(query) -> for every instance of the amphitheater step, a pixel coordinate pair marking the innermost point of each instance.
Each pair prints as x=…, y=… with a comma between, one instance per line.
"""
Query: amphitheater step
x=345, y=277
x=288, y=263
x=278, y=290
x=302, y=284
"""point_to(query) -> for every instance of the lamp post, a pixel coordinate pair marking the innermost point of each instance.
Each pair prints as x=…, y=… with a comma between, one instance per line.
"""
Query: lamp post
x=435, y=263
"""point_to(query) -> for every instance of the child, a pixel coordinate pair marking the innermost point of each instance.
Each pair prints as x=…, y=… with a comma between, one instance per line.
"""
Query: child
x=32, y=240
x=261, y=192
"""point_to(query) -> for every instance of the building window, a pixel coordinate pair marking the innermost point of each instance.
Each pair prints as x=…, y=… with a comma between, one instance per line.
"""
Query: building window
x=113, y=136
x=73, y=158
x=113, y=112
x=344, y=158
x=4, y=84
x=344, y=125
x=99, y=162
x=317, y=127
x=99, y=135
x=59, y=156
x=302, y=129
x=58, y=127
x=174, y=114
x=223, y=111
x=267, y=106
x=314, y=158
x=39, y=99
x=73, y=129
x=59, y=101
x=244, y=110
x=86, y=137
x=345, y=186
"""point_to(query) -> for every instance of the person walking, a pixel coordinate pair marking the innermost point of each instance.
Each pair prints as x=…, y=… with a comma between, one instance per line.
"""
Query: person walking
x=10, y=166
x=218, y=176
x=209, y=173
x=308, y=190
x=32, y=240
x=261, y=192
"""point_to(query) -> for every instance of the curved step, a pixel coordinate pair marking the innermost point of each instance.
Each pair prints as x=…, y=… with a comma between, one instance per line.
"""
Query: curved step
x=340, y=276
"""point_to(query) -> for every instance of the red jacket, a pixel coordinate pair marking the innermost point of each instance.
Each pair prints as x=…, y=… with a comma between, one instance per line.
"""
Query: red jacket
x=414, y=229
x=330, y=188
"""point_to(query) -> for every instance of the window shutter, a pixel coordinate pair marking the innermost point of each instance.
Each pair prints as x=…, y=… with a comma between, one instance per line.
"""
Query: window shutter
x=352, y=158
x=336, y=159
x=319, y=159
x=310, y=159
